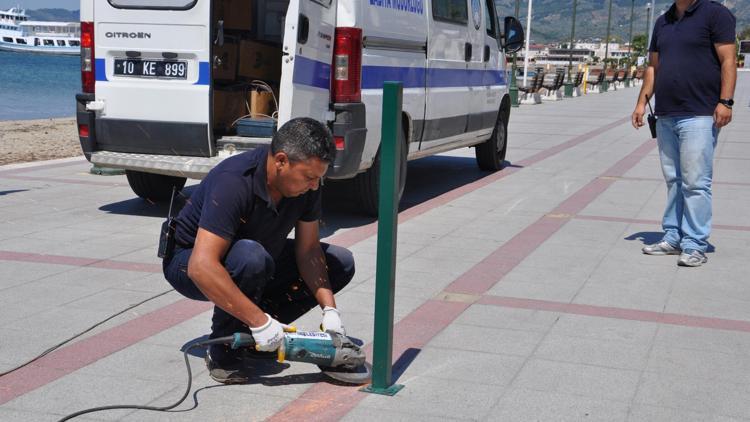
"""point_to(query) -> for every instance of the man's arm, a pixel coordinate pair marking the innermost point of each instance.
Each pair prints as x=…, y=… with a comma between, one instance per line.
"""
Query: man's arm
x=207, y=272
x=727, y=58
x=647, y=89
x=312, y=263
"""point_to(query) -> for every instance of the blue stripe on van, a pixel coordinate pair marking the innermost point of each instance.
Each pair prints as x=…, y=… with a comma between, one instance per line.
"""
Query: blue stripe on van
x=413, y=77
x=204, y=74
x=312, y=73
x=374, y=76
x=99, y=70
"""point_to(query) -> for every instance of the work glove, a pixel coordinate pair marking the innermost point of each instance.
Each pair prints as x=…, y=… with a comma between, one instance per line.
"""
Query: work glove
x=332, y=321
x=268, y=337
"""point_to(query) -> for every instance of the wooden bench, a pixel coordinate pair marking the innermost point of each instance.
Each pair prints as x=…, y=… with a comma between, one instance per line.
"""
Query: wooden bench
x=531, y=89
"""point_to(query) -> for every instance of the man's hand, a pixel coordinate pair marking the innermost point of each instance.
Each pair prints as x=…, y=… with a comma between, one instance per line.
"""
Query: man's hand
x=268, y=337
x=332, y=321
x=722, y=115
x=637, y=117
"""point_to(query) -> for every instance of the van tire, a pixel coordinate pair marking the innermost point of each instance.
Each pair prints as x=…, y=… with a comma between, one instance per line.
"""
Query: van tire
x=154, y=187
x=367, y=184
x=491, y=153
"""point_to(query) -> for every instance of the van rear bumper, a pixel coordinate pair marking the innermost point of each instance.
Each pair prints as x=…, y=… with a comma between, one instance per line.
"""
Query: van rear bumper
x=350, y=124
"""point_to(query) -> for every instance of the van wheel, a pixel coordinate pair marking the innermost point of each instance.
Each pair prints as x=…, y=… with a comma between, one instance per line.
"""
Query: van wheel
x=367, y=184
x=491, y=153
x=153, y=187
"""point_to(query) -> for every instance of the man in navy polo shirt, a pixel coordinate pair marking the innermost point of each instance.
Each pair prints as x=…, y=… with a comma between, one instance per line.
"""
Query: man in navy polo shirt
x=232, y=246
x=692, y=73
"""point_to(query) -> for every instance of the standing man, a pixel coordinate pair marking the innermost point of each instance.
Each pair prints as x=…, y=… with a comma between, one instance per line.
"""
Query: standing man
x=692, y=73
x=232, y=247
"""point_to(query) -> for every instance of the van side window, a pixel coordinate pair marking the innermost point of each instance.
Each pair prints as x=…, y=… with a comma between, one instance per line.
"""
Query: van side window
x=490, y=19
x=453, y=11
x=154, y=4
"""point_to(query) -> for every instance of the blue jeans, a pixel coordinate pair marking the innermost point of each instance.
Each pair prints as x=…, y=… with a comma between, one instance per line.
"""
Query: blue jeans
x=272, y=284
x=686, y=150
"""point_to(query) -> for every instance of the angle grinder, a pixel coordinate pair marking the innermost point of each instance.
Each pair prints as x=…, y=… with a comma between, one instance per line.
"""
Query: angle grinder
x=337, y=356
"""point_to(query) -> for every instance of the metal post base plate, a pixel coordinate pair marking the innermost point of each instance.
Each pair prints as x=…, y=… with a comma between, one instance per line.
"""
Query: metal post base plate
x=388, y=391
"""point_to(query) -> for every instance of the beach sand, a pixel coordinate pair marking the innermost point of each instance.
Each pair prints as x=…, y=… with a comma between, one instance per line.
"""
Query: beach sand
x=43, y=139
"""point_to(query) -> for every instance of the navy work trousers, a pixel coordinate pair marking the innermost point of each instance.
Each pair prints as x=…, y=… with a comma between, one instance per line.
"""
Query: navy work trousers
x=274, y=285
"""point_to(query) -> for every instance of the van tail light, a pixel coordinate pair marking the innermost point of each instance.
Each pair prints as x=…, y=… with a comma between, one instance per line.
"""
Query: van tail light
x=346, y=86
x=340, y=144
x=83, y=131
x=88, y=78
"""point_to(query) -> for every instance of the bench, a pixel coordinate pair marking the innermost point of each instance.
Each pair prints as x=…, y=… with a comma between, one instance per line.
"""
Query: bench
x=531, y=89
x=595, y=79
x=577, y=81
x=553, y=82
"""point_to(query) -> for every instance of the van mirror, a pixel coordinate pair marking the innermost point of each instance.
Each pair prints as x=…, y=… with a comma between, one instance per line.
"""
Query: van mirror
x=513, y=37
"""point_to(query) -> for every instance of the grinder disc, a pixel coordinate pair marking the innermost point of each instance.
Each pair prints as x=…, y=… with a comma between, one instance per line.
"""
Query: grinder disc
x=358, y=375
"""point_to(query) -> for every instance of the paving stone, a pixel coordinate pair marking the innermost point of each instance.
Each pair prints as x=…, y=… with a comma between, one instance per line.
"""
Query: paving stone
x=532, y=405
x=585, y=380
x=656, y=413
x=489, y=340
x=456, y=399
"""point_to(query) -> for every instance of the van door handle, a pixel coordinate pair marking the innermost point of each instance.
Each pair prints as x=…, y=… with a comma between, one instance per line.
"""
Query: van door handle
x=486, y=53
x=467, y=52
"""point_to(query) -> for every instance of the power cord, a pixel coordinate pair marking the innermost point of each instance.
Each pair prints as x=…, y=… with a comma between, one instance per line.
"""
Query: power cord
x=57, y=346
x=220, y=340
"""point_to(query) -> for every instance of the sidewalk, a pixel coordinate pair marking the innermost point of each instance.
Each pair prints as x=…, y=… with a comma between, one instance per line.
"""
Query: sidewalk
x=521, y=295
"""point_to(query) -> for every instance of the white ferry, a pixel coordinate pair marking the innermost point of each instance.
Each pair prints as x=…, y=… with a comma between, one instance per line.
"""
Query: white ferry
x=18, y=33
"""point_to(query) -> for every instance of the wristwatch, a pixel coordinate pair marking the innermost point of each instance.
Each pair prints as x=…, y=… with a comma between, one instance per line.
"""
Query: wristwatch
x=729, y=103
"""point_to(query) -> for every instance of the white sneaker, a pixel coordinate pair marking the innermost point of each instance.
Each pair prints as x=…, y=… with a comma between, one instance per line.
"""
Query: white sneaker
x=661, y=248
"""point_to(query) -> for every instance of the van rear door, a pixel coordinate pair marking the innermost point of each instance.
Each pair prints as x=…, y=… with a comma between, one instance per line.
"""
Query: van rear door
x=306, y=62
x=153, y=76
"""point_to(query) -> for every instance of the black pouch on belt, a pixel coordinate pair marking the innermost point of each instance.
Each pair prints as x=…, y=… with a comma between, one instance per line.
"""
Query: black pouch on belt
x=168, y=228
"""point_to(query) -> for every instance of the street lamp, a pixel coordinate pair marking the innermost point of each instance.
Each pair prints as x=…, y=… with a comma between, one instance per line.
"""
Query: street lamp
x=605, y=84
x=569, y=84
x=630, y=43
x=513, y=82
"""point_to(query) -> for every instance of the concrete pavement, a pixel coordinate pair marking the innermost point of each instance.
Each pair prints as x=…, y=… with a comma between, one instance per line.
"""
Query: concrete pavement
x=521, y=295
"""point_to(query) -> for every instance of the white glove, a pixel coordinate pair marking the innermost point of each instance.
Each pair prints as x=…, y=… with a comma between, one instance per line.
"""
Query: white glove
x=268, y=337
x=332, y=321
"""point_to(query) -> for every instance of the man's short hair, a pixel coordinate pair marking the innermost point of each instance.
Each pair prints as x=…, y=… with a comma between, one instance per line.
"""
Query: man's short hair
x=302, y=138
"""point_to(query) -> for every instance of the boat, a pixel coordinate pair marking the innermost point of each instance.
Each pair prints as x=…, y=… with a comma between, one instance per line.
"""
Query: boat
x=18, y=33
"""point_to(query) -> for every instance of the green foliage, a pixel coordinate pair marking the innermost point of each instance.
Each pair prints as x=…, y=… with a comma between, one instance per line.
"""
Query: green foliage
x=639, y=44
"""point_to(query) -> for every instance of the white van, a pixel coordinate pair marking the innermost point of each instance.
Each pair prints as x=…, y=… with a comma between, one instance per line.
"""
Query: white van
x=172, y=87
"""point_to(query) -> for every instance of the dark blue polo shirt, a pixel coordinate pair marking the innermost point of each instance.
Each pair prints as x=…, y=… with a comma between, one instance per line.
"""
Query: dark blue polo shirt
x=688, y=82
x=233, y=202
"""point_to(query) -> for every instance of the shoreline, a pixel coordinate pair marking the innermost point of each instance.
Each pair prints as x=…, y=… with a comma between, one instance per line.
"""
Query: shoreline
x=38, y=139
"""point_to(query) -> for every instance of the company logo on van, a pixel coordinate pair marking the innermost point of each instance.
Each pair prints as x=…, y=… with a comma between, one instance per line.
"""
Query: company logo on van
x=127, y=34
x=411, y=6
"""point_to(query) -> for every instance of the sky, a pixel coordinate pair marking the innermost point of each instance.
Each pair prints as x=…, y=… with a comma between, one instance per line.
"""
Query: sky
x=41, y=4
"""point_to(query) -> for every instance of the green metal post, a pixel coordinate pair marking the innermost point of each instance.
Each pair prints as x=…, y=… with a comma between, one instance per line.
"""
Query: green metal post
x=630, y=44
x=387, y=233
x=605, y=84
x=569, y=84
x=513, y=89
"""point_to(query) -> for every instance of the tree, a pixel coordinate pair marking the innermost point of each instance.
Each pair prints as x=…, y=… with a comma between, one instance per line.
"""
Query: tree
x=744, y=34
x=639, y=45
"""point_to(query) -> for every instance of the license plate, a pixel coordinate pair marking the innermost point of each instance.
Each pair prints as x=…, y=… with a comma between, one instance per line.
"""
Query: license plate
x=166, y=69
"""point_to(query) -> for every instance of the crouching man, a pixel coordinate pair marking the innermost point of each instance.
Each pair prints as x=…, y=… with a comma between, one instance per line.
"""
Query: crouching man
x=232, y=247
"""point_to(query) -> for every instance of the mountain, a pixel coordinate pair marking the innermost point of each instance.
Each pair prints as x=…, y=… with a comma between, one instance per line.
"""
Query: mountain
x=551, y=19
x=58, y=15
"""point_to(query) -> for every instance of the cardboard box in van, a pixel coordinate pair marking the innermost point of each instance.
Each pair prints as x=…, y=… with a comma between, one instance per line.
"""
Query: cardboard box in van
x=260, y=61
x=225, y=61
x=236, y=14
x=261, y=103
x=229, y=105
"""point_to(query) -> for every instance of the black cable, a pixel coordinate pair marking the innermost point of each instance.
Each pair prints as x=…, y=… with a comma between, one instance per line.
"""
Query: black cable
x=221, y=340
x=57, y=346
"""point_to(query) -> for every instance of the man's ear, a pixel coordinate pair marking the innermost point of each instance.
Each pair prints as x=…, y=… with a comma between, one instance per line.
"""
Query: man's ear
x=280, y=160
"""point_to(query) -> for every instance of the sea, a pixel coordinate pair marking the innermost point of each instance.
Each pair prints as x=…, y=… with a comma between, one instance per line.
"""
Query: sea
x=38, y=86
